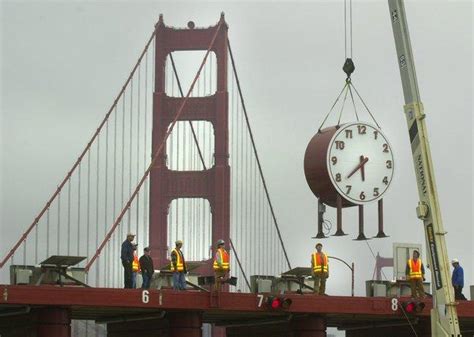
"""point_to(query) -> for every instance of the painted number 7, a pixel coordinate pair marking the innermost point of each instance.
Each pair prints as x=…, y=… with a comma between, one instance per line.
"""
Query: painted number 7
x=260, y=300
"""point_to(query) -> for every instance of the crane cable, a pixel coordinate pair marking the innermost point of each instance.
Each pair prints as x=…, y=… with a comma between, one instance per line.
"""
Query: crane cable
x=348, y=68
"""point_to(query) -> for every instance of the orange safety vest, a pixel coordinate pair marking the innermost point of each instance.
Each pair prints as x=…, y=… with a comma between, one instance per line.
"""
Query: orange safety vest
x=415, y=269
x=320, y=263
x=135, y=263
x=179, y=262
x=224, y=257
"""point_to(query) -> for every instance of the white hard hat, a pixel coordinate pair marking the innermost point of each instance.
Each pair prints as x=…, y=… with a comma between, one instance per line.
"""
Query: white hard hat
x=130, y=234
x=455, y=261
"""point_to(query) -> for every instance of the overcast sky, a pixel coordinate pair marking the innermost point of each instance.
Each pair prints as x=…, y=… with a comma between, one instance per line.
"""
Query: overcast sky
x=63, y=62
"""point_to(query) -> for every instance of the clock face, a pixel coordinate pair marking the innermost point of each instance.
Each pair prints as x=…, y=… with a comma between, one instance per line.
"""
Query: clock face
x=360, y=162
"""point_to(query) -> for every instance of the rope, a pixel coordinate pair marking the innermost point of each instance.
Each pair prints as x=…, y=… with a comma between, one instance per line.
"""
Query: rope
x=155, y=157
x=256, y=154
x=332, y=107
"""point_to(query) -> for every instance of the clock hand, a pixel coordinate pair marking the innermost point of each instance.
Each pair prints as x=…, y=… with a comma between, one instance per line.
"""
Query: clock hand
x=361, y=165
x=362, y=168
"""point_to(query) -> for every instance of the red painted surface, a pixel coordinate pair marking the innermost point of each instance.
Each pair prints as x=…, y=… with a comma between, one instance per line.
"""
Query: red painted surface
x=53, y=322
x=200, y=301
x=212, y=184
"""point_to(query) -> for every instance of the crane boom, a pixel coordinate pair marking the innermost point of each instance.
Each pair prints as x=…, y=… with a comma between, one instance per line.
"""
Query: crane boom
x=444, y=318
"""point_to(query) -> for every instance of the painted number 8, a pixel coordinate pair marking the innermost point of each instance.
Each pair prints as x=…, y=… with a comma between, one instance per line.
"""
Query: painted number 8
x=394, y=304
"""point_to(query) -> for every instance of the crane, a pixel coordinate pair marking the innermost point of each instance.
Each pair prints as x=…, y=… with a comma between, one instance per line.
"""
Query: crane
x=444, y=318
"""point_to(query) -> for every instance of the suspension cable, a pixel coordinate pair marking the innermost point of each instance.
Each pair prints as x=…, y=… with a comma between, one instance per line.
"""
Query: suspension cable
x=256, y=154
x=240, y=265
x=79, y=159
x=190, y=123
x=155, y=156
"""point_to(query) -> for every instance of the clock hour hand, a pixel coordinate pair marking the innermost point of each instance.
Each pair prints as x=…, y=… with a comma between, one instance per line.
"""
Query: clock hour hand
x=363, y=160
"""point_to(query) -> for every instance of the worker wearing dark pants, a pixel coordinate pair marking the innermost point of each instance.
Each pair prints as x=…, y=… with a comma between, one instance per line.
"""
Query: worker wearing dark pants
x=415, y=272
x=319, y=270
x=458, y=280
x=146, y=265
x=127, y=259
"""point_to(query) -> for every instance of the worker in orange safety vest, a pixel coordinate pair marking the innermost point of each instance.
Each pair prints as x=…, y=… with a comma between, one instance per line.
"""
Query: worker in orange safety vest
x=221, y=264
x=135, y=267
x=415, y=272
x=178, y=267
x=319, y=269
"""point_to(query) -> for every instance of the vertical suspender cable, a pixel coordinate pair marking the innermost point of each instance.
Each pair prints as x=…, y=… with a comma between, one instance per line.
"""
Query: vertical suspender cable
x=130, y=153
x=106, y=203
x=58, y=236
x=88, y=203
x=69, y=216
x=114, y=199
x=256, y=154
x=97, y=270
x=138, y=153
x=145, y=125
x=47, y=233
x=78, y=233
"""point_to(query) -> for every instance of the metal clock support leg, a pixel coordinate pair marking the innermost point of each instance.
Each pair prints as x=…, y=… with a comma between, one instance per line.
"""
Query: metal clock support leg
x=339, y=231
x=321, y=210
x=380, y=233
x=361, y=224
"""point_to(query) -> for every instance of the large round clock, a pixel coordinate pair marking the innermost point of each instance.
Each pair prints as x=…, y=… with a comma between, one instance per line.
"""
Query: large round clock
x=360, y=162
x=353, y=160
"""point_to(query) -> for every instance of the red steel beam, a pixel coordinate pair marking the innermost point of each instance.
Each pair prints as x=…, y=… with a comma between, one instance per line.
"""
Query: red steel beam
x=198, y=301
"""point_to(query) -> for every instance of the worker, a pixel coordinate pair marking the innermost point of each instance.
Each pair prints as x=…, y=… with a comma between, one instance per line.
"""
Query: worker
x=178, y=267
x=135, y=266
x=146, y=265
x=415, y=272
x=458, y=280
x=221, y=264
x=126, y=256
x=319, y=269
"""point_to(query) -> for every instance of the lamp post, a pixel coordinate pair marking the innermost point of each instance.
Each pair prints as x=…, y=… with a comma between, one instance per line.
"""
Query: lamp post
x=351, y=267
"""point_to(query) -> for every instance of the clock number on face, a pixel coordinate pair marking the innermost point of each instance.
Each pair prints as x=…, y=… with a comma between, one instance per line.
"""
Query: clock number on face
x=362, y=195
x=389, y=164
x=362, y=129
x=376, y=192
x=385, y=180
x=376, y=133
x=349, y=187
x=385, y=148
x=338, y=177
x=348, y=133
x=339, y=145
x=334, y=160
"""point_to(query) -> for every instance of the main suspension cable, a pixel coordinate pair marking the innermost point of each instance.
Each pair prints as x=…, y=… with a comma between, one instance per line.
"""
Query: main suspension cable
x=256, y=154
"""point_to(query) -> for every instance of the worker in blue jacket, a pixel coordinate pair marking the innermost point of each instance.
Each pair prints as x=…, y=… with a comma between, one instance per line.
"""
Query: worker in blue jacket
x=458, y=280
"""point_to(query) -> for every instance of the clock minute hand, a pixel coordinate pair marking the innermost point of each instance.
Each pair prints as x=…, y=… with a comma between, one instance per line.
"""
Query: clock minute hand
x=361, y=164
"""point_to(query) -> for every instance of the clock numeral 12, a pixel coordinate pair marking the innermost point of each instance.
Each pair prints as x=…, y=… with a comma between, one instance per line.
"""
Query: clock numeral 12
x=362, y=129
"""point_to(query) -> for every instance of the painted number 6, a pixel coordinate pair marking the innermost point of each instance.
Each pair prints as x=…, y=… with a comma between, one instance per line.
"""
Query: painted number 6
x=394, y=304
x=145, y=296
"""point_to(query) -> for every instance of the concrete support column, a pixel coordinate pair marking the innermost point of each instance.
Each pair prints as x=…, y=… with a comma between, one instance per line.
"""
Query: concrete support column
x=308, y=326
x=53, y=322
x=185, y=324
